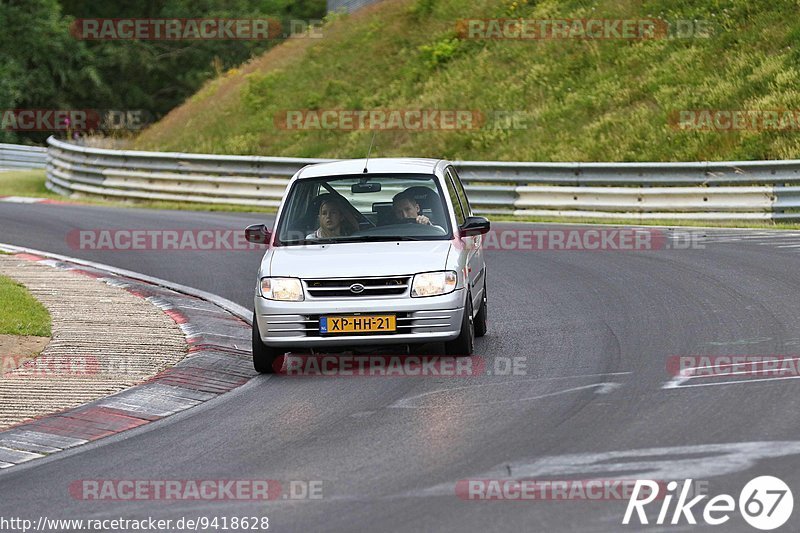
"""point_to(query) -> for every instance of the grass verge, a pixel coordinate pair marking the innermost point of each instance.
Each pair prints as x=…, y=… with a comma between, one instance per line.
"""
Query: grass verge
x=21, y=313
x=24, y=183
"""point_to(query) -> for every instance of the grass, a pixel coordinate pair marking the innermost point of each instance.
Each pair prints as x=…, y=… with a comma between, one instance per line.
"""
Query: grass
x=21, y=313
x=24, y=183
x=579, y=100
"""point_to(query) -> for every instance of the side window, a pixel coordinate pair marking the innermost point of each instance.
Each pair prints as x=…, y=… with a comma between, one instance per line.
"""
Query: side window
x=453, y=193
x=462, y=195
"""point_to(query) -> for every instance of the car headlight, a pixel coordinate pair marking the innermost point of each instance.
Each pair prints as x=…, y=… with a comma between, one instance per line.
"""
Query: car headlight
x=434, y=283
x=284, y=289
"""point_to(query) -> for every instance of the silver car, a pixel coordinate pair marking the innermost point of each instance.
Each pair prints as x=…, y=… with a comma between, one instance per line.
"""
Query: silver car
x=370, y=253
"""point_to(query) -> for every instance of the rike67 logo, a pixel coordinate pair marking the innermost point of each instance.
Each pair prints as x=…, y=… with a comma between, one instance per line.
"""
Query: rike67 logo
x=765, y=503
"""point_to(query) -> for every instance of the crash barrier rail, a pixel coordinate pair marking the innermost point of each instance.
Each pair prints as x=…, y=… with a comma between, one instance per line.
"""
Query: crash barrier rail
x=347, y=5
x=741, y=190
x=21, y=156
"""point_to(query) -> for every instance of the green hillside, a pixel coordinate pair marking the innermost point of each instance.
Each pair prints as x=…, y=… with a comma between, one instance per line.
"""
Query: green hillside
x=572, y=99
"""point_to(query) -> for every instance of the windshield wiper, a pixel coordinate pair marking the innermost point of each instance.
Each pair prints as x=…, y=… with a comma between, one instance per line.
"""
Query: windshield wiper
x=379, y=238
x=308, y=241
x=362, y=238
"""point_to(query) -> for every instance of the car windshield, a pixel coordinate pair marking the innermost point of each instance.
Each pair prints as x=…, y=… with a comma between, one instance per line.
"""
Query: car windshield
x=364, y=208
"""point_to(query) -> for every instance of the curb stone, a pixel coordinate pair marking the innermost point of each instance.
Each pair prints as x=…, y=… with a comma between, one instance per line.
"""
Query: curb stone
x=215, y=364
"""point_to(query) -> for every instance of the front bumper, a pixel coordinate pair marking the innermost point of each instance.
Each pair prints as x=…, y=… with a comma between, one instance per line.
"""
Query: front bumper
x=419, y=320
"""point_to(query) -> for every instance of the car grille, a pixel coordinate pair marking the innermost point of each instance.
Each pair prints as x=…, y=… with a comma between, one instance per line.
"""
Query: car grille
x=308, y=325
x=344, y=287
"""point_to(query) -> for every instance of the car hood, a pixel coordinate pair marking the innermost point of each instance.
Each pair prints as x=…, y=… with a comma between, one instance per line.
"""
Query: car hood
x=358, y=259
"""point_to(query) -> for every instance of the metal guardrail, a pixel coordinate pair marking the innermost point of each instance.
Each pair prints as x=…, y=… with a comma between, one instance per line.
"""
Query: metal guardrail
x=21, y=156
x=348, y=5
x=749, y=190
x=128, y=174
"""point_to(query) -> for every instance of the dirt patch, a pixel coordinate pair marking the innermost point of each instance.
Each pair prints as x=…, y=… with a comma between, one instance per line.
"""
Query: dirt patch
x=18, y=348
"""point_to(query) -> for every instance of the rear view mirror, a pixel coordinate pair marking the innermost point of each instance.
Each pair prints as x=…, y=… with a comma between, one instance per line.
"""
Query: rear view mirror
x=369, y=186
x=257, y=234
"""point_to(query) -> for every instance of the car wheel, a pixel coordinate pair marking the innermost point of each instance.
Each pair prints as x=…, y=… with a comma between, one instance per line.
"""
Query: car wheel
x=463, y=344
x=265, y=358
x=480, y=319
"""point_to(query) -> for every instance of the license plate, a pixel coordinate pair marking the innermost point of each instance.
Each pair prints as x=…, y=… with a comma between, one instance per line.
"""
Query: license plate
x=357, y=324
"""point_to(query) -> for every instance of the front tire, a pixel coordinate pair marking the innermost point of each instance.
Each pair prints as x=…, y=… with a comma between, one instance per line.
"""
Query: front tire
x=265, y=358
x=464, y=344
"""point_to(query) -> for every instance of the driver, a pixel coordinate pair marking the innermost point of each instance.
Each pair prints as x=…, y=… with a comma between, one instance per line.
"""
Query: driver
x=405, y=207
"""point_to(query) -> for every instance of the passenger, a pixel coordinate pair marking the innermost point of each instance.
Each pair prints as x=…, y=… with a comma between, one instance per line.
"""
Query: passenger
x=333, y=220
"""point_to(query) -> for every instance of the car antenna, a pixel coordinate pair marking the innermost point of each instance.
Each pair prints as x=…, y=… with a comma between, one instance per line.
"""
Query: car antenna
x=372, y=142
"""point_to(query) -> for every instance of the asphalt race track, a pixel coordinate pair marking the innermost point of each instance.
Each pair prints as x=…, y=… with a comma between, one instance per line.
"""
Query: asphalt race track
x=595, y=330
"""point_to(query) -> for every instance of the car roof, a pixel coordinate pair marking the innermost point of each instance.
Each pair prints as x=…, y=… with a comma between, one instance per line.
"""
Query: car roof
x=389, y=165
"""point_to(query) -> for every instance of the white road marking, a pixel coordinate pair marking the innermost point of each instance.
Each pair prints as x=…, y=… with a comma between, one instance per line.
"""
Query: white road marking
x=678, y=386
x=22, y=200
x=739, y=342
x=689, y=374
x=701, y=461
x=602, y=388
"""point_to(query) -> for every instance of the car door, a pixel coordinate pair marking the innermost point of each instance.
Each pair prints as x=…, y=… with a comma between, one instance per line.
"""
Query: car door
x=478, y=259
x=476, y=269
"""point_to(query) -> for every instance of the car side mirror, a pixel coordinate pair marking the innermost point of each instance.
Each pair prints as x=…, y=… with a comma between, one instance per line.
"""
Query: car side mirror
x=257, y=234
x=475, y=226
